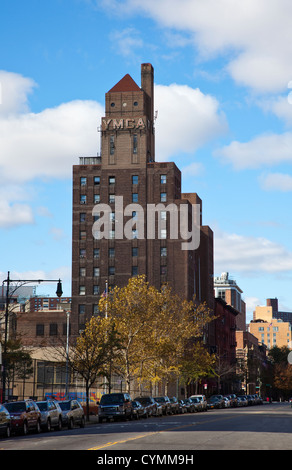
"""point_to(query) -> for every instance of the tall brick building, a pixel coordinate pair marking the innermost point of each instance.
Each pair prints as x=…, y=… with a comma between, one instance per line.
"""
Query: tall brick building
x=126, y=167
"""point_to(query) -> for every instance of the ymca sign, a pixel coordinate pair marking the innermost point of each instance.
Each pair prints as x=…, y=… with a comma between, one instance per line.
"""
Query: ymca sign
x=128, y=123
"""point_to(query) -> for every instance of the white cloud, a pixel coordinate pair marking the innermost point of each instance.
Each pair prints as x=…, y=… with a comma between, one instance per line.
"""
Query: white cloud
x=13, y=214
x=126, y=41
x=256, y=35
x=187, y=119
x=263, y=150
x=250, y=255
x=14, y=91
x=46, y=144
x=276, y=182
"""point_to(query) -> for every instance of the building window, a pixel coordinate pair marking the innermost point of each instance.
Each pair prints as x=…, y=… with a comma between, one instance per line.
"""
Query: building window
x=111, y=270
x=135, y=143
x=82, y=272
x=134, y=197
x=95, y=309
x=40, y=329
x=134, y=233
x=112, y=234
x=82, y=253
x=83, y=181
x=82, y=198
x=96, y=180
x=261, y=328
x=163, y=233
x=96, y=272
x=112, y=144
x=81, y=309
x=82, y=216
x=111, y=199
x=163, y=179
x=163, y=251
x=134, y=251
x=163, y=270
x=111, y=180
x=134, y=270
x=82, y=235
x=96, y=198
x=111, y=252
x=95, y=290
x=53, y=329
x=81, y=290
x=96, y=253
x=135, y=179
x=162, y=197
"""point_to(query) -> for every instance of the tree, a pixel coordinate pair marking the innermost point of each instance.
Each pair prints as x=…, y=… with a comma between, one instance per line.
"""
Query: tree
x=94, y=349
x=154, y=327
x=18, y=362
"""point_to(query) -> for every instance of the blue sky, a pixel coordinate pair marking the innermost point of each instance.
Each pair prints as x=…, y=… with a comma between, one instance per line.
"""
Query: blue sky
x=222, y=72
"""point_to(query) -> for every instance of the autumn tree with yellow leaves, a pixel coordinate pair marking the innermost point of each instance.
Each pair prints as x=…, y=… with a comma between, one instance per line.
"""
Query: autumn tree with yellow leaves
x=157, y=330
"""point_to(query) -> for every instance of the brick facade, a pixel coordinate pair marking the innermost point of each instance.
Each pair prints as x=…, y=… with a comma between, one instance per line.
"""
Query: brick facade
x=127, y=168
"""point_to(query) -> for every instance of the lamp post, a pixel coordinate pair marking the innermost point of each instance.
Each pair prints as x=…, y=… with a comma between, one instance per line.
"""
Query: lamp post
x=67, y=351
x=59, y=293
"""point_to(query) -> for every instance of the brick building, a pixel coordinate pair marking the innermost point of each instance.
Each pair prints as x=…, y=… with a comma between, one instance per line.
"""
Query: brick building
x=126, y=168
x=228, y=290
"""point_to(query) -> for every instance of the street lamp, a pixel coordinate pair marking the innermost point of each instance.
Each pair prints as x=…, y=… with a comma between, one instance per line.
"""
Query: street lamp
x=59, y=293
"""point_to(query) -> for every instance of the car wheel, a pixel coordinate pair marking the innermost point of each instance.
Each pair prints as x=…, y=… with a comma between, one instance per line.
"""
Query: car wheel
x=25, y=429
x=38, y=428
x=8, y=432
x=48, y=426
x=70, y=423
x=59, y=427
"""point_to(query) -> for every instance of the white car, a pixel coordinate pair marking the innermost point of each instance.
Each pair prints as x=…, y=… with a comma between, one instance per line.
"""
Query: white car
x=202, y=399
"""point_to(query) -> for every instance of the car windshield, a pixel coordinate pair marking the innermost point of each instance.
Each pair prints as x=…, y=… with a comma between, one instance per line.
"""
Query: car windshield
x=65, y=405
x=111, y=398
x=43, y=405
x=144, y=401
x=160, y=399
x=16, y=407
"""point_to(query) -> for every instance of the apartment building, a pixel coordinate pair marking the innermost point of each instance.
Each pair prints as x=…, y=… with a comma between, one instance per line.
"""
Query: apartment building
x=126, y=178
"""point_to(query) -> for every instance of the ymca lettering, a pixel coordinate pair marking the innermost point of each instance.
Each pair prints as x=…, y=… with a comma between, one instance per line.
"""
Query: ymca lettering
x=123, y=123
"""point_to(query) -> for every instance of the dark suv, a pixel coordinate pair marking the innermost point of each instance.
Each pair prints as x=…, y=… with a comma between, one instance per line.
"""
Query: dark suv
x=25, y=416
x=116, y=406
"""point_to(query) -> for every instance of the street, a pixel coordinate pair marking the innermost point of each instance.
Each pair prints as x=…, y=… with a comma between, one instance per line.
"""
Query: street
x=266, y=427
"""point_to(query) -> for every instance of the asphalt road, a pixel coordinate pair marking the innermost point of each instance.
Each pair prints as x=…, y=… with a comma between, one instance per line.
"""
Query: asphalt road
x=261, y=427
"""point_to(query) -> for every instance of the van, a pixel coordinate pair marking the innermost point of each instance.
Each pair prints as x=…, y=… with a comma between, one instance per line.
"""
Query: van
x=115, y=406
x=203, y=400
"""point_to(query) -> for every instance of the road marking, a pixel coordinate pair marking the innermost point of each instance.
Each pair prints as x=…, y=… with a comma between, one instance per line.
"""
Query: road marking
x=109, y=444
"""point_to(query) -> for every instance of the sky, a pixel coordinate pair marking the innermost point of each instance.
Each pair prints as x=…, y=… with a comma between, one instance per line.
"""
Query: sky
x=223, y=96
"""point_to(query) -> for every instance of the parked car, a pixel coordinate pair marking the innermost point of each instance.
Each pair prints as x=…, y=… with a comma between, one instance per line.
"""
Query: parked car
x=165, y=403
x=190, y=405
x=51, y=415
x=139, y=411
x=227, y=402
x=5, y=422
x=233, y=399
x=72, y=413
x=242, y=400
x=159, y=408
x=174, y=405
x=221, y=400
x=197, y=403
x=183, y=406
x=115, y=406
x=213, y=402
x=149, y=403
x=25, y=416
x=203, y=400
